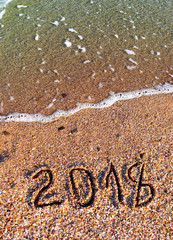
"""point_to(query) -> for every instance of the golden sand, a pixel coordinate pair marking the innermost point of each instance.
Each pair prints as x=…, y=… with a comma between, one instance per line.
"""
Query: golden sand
x=99, y=174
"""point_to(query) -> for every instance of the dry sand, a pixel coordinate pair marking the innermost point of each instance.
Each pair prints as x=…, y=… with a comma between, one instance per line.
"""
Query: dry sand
x=98, y=174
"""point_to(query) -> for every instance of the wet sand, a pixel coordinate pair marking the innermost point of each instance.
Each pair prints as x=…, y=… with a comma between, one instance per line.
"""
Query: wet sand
x=98, y=174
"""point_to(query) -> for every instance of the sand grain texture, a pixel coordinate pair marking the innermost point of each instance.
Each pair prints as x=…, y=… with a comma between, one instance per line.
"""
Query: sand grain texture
x=110, y=173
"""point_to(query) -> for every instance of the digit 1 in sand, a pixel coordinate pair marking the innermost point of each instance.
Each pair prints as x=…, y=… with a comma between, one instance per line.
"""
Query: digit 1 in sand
x=113, y=172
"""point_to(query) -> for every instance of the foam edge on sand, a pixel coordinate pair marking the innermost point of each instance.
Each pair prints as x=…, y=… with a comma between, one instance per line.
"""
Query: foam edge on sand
x=107, y=102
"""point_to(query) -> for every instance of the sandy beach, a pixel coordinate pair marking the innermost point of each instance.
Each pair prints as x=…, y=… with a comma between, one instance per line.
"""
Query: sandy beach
x=86, y=120
x=98, y=174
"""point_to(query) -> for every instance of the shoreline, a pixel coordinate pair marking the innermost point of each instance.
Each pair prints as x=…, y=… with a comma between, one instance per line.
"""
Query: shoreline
x=107, y=102
x=54, y=57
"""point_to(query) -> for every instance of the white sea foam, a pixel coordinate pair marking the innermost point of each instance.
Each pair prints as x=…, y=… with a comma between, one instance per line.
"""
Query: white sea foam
x=130, y=52
x=72, y=30
x=3, y=4
x=83, y=49
x=131, y=60
x=50, y=105
x=67, y=43
x=80, y=37
x=62, y=19
x=56, y=23
x=21, y=6
x=130, y=67
x=2, y=13
x=87, y=61
x=37, y=37
x=136, y=37
x=107, y=102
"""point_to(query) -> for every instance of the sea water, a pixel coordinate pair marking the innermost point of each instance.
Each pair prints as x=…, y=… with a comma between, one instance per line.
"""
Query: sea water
x=57, y=54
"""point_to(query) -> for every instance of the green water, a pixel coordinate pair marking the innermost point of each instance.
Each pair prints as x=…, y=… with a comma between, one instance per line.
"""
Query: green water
x=54, y=54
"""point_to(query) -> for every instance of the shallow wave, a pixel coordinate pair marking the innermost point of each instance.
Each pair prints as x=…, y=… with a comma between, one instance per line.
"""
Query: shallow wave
x=107, y=102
